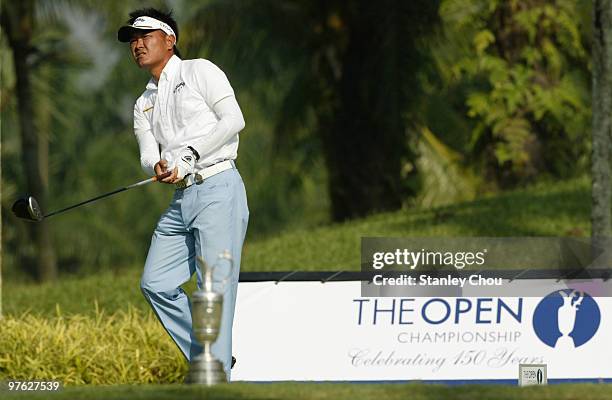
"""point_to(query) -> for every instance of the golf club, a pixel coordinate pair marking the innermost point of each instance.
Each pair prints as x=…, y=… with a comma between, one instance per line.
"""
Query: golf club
x=28, y=208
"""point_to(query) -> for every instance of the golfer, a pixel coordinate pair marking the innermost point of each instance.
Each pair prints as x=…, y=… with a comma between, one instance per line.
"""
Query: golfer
x=186, y=122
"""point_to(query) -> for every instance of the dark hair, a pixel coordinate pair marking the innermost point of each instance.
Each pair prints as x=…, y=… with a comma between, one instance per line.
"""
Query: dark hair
x=160, y=15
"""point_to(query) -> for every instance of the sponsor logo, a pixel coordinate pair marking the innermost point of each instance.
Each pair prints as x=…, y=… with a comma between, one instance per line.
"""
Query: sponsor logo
x=566, y=319
x=178, y=87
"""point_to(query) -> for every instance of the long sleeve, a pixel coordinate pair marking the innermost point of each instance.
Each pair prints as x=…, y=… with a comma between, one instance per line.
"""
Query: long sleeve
x=149, y=148
x=218, y=94
x=230, y=123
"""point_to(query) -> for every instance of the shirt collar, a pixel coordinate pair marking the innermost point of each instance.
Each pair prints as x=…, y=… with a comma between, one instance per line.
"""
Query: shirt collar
x=169, y=69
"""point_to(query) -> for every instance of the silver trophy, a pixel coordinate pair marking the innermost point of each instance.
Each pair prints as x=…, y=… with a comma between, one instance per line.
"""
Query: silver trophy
x=207, y=307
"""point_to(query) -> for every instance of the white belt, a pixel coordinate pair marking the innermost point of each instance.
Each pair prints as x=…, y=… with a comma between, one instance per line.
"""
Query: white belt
x=199, y=176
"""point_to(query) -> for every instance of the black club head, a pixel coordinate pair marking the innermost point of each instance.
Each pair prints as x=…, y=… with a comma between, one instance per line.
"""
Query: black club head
x=27, y=208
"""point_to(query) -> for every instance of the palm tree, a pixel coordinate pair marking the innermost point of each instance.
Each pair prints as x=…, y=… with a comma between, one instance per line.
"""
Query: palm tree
x=352, y=65
x=44, y=68
x=18, y=24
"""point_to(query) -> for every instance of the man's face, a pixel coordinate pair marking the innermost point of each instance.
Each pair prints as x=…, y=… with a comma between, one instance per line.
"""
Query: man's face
x=149, y=48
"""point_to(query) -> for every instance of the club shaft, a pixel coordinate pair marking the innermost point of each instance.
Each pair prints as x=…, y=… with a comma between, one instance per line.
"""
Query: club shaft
x=149, y=180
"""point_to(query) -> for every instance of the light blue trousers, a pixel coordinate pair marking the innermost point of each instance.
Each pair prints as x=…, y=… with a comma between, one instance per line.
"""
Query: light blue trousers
x=202, y=220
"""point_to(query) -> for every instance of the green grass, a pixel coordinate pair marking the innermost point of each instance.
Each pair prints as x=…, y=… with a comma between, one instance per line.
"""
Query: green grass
x=322, y=391
x=546, y=209
x=123, y=348
x=75, y=295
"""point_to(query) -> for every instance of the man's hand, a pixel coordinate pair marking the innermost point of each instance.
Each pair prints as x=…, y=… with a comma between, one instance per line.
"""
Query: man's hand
x=161, y=167
x=186, y=163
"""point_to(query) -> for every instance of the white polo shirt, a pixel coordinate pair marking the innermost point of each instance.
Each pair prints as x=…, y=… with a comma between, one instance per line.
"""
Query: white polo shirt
x=180, y=111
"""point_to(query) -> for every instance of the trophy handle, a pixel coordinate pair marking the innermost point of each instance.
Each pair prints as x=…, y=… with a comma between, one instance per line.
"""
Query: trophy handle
x=207, y=271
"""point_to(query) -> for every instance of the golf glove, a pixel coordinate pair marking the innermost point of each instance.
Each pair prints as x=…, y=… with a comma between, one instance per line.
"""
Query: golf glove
x=185, y=163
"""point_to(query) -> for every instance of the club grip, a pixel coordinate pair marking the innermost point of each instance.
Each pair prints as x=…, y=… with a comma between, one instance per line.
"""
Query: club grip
x=162, y=176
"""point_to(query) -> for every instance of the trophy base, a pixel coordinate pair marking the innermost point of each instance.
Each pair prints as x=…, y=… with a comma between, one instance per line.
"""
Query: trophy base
x=206, y=370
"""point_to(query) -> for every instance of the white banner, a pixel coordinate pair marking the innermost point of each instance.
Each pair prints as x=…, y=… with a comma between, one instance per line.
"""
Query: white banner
x=327, y=332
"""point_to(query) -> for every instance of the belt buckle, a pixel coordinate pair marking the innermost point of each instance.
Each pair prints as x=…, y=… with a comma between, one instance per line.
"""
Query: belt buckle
x=184, y=183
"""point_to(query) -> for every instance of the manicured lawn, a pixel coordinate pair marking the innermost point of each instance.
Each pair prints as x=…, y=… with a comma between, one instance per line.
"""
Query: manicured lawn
x=323, y=391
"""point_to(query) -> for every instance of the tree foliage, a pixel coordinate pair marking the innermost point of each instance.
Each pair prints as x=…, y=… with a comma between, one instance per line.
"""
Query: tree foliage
x=526, y=64
x=82, y=147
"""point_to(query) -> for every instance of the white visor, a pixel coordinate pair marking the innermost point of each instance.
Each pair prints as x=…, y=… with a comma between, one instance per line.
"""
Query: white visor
x=145, y=23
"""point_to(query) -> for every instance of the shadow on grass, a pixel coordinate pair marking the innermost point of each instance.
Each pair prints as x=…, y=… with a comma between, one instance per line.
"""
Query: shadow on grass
x=149, y=392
